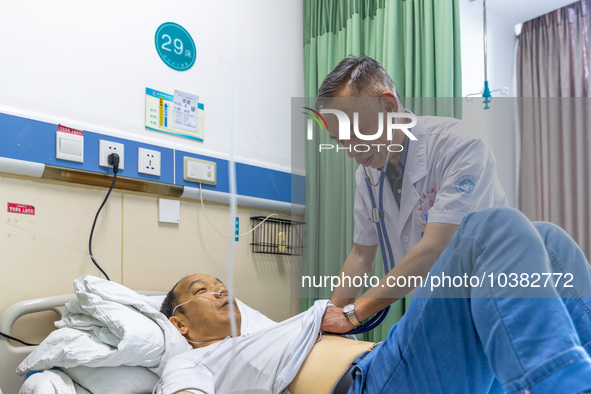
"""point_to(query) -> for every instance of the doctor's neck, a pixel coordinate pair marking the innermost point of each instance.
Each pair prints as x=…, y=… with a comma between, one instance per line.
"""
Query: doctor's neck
x=394, y=156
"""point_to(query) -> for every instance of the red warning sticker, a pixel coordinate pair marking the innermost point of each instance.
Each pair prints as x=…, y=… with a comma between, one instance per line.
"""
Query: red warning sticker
x=68, y=130
x=21, y=208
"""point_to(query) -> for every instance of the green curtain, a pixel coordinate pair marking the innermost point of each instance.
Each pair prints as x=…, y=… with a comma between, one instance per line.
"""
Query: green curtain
x=418, y=43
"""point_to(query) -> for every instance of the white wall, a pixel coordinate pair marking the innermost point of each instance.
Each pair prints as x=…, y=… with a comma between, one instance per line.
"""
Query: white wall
x=497, y=124
x=86, y=64
x=81, y=62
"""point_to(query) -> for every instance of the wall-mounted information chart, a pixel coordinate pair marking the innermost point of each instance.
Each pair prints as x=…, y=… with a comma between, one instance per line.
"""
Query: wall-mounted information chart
x=179, y=114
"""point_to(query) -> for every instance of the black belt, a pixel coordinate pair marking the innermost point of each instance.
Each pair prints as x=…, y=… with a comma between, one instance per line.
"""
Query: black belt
x=346, y=380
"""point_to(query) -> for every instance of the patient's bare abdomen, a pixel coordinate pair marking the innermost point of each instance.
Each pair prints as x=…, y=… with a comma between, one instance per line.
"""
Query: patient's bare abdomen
x=326, y=363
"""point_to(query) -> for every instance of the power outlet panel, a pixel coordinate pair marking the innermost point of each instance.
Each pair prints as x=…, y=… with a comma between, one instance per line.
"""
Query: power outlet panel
x=108, y=147
x=197, y=170
x=148, y=161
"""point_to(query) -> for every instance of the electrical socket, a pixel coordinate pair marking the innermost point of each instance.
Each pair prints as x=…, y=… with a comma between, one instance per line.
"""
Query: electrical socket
x=108, y=147
x=148, y=161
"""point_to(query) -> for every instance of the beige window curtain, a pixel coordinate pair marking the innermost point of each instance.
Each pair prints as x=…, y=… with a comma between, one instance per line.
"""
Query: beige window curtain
x=554, y=112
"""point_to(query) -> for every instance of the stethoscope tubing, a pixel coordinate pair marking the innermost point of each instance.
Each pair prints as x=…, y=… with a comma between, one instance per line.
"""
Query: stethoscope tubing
x=388, y=260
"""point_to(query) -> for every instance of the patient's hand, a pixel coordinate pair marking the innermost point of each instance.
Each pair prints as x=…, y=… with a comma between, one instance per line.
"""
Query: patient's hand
x=334, y=320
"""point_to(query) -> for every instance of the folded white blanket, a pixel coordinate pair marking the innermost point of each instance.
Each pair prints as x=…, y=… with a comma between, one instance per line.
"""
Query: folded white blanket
x=109, y=326
x=51, y=382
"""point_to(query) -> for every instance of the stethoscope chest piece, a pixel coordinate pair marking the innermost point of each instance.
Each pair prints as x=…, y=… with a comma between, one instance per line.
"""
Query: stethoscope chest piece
x=376, y=215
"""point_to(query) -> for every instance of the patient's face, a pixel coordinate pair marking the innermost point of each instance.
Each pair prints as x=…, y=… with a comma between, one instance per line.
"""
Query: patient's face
x=207, y=316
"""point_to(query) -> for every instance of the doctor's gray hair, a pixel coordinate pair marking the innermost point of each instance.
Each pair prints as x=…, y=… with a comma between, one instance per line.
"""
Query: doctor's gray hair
x=365, y=75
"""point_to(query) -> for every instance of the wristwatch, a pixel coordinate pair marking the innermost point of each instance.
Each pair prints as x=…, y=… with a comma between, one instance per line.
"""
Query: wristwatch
x=349, y=311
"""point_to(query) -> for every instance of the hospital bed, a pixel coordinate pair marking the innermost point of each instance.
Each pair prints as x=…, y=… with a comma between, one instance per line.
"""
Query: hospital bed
x=110, y=339
x=11, y=356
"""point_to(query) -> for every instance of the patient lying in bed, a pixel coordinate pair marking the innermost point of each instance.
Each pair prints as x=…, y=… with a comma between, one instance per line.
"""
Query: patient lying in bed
x=113, y=340
x=290, y=354
x=534, y=339
x=465, y=339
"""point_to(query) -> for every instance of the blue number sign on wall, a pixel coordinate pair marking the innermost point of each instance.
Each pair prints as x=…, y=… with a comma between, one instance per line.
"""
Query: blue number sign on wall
x=175, y=46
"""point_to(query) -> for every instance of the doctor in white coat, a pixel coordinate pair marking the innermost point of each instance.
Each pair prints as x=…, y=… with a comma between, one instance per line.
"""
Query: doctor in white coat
x=430, y=185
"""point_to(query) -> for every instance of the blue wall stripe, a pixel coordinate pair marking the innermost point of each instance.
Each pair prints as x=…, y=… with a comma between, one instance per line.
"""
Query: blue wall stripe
x=31, y=140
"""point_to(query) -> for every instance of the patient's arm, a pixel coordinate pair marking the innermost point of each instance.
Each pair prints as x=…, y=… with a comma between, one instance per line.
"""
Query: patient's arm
x=326, y=363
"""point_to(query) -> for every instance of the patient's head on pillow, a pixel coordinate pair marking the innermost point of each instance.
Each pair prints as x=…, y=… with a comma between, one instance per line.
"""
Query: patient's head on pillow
x=170, y=301
x=198, y=306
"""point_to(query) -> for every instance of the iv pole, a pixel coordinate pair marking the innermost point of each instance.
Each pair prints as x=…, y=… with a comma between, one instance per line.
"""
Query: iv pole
x=486, y=92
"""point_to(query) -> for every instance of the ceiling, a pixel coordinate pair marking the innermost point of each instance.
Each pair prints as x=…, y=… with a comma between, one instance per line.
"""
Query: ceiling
x=518, y=11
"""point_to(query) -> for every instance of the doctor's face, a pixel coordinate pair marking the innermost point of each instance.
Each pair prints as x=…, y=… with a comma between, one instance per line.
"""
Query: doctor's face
x=373, y=151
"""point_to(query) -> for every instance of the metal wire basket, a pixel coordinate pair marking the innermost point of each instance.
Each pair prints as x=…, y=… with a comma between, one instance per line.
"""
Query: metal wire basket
x=277, y=236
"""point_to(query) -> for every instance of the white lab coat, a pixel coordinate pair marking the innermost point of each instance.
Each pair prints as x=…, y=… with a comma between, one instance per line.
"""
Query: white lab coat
x=449, y=173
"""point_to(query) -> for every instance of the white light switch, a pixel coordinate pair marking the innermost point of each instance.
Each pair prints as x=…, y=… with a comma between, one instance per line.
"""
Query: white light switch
x=69, y=147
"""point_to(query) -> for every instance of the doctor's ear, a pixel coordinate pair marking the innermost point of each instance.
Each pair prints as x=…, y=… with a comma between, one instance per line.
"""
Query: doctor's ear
x=179, y=324
x=389, y=101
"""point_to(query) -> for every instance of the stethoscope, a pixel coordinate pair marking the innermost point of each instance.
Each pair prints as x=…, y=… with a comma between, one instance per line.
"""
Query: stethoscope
x=377, y=216
x=388, y=260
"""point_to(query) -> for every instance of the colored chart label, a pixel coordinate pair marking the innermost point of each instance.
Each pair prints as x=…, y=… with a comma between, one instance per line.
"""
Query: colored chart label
x=160, y=116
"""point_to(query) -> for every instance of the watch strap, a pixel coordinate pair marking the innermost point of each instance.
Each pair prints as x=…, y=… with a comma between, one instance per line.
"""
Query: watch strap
x=352, y=318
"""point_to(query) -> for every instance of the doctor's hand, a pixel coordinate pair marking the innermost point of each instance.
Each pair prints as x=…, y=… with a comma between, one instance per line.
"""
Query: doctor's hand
x=334, y=320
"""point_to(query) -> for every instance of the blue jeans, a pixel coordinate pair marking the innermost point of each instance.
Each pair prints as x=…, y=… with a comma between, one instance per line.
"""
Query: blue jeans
x=479, y=339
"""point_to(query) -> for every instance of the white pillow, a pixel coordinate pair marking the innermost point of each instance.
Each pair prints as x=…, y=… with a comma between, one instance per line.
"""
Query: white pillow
x=114, y=380
x=156, y=301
